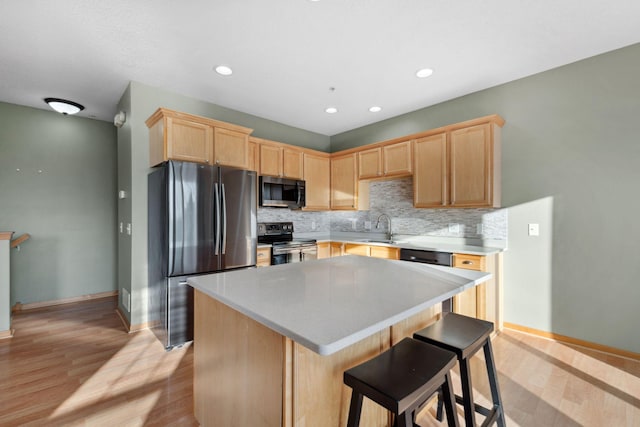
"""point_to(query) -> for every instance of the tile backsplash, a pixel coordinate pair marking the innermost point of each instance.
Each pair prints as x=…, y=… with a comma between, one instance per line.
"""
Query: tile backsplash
x=395, y=198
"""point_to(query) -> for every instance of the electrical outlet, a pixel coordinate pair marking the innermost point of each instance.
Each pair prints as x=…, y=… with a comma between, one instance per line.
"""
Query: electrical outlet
x=454, y=228
x=353, y=223
x=121, y=228
x=129, y=229
x=367, y=225
x=534, y=229
x=479, y=229
x=313, y=225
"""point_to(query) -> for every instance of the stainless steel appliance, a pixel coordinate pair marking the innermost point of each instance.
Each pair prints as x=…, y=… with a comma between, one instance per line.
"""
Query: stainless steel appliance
x=202, y=219
x=281, y=192
x=284, y=248
x=430, y=257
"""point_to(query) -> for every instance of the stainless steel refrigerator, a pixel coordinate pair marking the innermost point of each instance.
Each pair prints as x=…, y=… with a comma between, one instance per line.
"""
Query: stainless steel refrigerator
x=202, y=219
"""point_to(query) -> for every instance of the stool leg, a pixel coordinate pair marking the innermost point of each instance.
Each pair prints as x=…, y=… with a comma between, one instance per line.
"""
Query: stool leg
x=467, y=393
x=439, y=407
x=493, y=383
x=446, y=394
x=354, y=409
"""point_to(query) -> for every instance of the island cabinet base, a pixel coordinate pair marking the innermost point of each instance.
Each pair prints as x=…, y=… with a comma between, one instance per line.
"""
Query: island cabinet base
x=247, y=374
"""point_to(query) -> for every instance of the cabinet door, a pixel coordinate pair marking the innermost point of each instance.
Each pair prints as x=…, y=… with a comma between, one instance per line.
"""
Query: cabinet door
x=385, y=252
x=472, y=301
x=270, y=160
x=231, y=148
x=471, y=166
x=292, y=164
x=317, y=175
x=356, y=249
x=430, y=174
x=343, y=182
x=189, y=141
x=397, y=159
x=263, y=258
x=336, y=249
x=254, y=156
x=370, y=163
x=324, y=250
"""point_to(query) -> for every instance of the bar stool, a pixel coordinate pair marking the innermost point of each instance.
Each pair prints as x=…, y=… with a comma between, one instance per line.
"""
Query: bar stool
x=402, y=378
x=465, y=336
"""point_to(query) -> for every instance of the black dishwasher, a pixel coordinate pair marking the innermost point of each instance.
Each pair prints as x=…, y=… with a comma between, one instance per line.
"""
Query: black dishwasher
x=427, y=257
x=430, y=257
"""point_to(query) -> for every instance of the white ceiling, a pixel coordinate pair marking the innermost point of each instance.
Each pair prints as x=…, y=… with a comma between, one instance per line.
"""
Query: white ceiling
x=286, y=54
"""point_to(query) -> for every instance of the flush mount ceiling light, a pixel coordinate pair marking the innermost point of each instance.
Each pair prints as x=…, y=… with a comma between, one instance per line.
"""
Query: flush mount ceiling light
x=331, y=110
x=63, y=106
x=375, y=109
x=425, y=72
x=223, y=70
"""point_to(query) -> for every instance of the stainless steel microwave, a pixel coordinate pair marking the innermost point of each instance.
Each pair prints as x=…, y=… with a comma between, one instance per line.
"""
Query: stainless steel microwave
x=281, y=192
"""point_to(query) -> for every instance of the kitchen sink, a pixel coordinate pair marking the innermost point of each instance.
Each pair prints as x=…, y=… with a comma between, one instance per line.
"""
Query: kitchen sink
x=377, y=241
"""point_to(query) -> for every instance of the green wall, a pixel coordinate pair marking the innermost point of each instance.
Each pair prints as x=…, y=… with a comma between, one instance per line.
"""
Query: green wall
x=140, y=101
x=64, y=195
x=571, y=163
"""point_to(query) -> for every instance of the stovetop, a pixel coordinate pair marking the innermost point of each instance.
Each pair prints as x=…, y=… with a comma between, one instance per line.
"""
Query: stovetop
x=280, y=234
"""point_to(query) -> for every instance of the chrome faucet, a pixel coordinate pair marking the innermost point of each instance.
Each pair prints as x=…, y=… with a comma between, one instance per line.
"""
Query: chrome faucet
x=389, y=232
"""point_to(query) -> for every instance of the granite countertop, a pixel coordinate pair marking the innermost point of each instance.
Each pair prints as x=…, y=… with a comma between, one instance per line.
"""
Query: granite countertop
x=327, y=305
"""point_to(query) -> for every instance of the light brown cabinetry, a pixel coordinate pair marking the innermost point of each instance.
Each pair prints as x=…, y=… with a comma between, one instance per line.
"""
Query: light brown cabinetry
x=263, y=257
x=459, y=167
x=336, y=249
x=324, y=250
x=385, y=161
x=483, y=301
x=254, y=155
x=280, y=160
x=386, y=252
x=346, y=193
x=230, y=148
x=186, y=137
x=317, y=176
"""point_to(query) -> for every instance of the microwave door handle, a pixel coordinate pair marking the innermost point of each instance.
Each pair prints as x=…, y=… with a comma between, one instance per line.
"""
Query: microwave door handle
x=298, y=193
x=224, y=220
x=217, y=219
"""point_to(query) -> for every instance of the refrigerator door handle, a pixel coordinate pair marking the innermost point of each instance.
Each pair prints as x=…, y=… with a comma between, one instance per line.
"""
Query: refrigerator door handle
x=217, y=219
x=224, y=220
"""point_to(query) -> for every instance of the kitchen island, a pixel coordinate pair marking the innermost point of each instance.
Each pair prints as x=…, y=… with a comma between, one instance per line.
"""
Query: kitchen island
x=271, y=344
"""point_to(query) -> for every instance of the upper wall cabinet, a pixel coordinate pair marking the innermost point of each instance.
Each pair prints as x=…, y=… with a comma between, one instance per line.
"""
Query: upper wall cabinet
x=281, y=160
x=346, y=193
x=460, y=166
x=390, y=160
x=180, y=136
x=317, y=176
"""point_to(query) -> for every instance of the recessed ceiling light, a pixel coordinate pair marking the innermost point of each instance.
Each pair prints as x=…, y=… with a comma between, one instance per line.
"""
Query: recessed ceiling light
x=223, y=70
x=331, y=110
x=63, y=106
x=375, y=109
x=425, y=72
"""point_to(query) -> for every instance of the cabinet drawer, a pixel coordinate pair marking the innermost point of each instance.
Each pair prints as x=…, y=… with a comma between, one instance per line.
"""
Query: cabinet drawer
x=470, y=262
x=263, y=257
x=385, y=252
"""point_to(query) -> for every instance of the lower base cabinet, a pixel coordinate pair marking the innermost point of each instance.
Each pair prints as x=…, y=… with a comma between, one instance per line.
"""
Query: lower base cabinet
x=375, y=251
x=263, y=258
x=484, y=300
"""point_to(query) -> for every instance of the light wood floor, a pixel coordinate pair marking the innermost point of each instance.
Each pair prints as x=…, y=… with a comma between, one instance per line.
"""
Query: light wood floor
x=75, y=365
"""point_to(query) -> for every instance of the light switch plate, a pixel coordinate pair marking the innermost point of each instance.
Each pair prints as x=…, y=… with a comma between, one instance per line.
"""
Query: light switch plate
x=534, y=229
x=454, y=228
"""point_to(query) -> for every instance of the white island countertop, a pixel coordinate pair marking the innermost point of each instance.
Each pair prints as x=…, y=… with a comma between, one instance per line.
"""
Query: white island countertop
x=327, y=305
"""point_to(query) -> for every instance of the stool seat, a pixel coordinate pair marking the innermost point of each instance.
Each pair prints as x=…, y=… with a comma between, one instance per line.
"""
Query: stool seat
x=402, y=378
x=465, y=336
x=461, y=334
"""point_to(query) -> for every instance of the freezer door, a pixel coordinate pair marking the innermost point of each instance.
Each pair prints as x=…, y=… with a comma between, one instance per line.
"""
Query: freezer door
x=180, y=312
x=238, y=218
x=191, y=218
